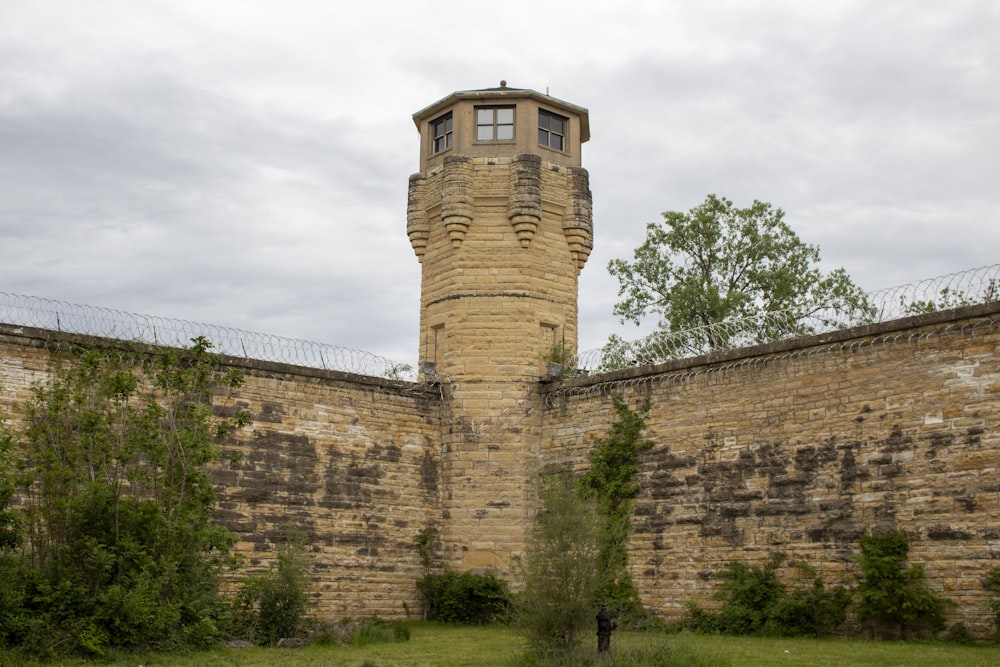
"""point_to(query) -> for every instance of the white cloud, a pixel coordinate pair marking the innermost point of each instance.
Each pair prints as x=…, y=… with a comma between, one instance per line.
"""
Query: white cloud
x=245, y=163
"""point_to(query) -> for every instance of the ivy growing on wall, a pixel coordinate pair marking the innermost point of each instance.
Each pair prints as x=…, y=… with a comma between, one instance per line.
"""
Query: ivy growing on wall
x=893, y=597
x=992, y=582
x=614, y=462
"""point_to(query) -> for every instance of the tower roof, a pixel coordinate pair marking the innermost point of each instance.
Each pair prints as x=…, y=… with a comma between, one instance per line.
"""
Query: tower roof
x=503, y=92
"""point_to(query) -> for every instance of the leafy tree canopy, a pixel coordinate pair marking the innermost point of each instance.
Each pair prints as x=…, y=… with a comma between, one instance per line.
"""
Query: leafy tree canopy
x=113, y=545
x=741, y=267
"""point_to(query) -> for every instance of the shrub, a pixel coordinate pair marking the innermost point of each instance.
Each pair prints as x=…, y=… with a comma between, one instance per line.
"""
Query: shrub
x=959, y=634
x=755, y=602
x=750, y=593
x=893, y=599
x=696, y=619
x=273, y=605
x=464, y=598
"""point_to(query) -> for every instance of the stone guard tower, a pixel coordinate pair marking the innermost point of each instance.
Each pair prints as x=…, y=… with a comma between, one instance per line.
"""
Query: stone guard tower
x=499, y=216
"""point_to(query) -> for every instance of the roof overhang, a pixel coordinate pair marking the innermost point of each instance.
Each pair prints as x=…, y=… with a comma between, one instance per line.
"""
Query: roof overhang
x=502, y=94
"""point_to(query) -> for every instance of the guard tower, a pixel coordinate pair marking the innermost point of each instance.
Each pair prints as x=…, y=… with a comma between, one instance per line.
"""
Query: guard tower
x=499, y=216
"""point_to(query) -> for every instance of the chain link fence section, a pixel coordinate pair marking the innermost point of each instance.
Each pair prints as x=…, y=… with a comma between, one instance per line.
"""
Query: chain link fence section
x=965, y=288
x=74, y=318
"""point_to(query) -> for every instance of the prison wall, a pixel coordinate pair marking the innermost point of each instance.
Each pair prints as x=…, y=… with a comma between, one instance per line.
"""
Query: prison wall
x=346, y=465
x=801, y=447
x=798, y=447
x=350, y=465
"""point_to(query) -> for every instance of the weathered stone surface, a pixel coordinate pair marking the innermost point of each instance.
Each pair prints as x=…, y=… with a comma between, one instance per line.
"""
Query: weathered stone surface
x=737, y=474
x=359, y=466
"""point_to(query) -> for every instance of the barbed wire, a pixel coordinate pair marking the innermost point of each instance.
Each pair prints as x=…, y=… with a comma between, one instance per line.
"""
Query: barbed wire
x=973, y=286
x=75, y=318
x=758, y=362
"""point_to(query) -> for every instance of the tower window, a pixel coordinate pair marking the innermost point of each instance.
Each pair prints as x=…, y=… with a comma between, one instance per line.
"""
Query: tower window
x=495, y=123
x=441, y=129
x=552, y=130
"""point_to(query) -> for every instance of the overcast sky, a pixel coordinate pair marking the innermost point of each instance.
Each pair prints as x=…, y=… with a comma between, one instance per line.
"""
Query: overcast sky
x=245, y=163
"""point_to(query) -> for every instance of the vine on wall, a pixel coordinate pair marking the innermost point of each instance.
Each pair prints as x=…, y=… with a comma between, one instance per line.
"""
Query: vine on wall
x=614, y=461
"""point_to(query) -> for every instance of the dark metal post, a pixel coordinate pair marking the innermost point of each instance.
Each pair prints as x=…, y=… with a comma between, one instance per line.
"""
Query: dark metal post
x=604, y=627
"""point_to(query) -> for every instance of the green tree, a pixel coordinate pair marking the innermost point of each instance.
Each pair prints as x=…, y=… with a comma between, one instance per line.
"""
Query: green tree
x=740, y=267
x=576, y=559
x=122, y=549
x=949, y=297
x=561, y=572
x=892, y=597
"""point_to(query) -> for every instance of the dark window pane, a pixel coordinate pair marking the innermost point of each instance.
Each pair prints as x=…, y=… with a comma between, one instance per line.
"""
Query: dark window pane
x=543, y=120
x=543, y=137
x=557, y=125
x=441, y=133
x=557, y=142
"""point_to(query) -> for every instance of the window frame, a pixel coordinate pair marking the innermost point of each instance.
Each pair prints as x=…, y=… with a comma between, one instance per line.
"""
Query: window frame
x=446, y=124
x=549, y=133
x=495, y=125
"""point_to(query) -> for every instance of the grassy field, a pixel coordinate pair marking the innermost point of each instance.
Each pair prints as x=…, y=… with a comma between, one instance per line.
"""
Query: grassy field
x=445, y=646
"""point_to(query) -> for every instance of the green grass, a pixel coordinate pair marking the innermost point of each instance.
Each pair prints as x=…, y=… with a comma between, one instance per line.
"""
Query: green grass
x=751, y=651
x=433, y=645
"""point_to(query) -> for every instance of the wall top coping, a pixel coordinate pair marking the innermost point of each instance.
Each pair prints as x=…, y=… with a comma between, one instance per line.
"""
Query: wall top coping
x=40, y=338
x=782, y=346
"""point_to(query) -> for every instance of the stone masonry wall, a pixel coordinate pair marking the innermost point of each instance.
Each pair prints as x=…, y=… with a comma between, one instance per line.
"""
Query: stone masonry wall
x=348, y=464
x=489, y=287
x=798, y=447
x=801, y=447
x=501, y=241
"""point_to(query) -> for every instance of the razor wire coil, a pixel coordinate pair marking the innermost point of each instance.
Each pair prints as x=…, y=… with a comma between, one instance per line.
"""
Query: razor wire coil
x=65, y=317
x=974, y=286
x=969, y=287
